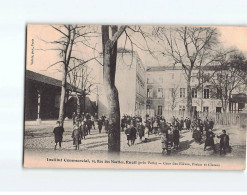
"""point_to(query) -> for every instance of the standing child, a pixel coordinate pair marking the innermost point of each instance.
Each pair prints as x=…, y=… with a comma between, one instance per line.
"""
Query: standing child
x=141, y=130
x=224, y=142
x=83, y=129
x=146, y=133
x=169, y=141
x=76, y=135
x=127, y=132
x=100, y=123
x=176, y=136
x=58, y=134
x=209, y=140
x=133, y=135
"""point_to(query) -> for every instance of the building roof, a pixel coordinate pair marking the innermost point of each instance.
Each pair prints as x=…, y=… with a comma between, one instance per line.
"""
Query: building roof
x=162, y=68
x=179, y=67
x=47, y=80
x=42, y=78
x=241, y=97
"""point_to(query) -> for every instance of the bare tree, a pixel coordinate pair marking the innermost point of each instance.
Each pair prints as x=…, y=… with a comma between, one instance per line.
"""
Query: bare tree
x=229, y=78
x=109, y=45
x=189, y=47
x=69, y=37
x=110, y=36
x=82, y=83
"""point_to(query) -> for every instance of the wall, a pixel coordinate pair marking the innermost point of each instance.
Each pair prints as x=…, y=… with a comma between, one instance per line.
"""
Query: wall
x=128, y=67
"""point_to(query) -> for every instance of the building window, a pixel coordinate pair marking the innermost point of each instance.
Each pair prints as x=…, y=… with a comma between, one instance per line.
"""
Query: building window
x=219, y=93
x=160, y=93
x=206, y=93
x=181, y=110
x=172, y=75
x=182, y=92
x=150, y=93
x=205, y=109
x=194, y=109
x=194, y=93
x=160, y=110
x=218, y=109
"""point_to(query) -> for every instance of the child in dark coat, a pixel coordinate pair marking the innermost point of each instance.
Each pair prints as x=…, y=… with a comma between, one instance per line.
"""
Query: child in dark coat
x=58, y=134
x=133, y=135
x=127, y=132
x=176, y=135
x=224, y=142
x=76, y=135
x=209, y=140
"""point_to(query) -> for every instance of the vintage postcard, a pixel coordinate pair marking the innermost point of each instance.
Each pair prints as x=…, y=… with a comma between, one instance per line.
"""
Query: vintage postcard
x=135, y=97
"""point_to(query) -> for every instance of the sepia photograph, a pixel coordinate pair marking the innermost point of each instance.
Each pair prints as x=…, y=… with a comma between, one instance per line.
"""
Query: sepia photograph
x=135, y=97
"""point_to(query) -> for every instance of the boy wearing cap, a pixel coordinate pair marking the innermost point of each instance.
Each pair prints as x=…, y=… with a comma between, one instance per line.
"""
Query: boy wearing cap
x=58, y=134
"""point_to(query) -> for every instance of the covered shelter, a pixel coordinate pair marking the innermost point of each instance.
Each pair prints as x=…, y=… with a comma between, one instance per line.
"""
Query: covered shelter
x=42, y=97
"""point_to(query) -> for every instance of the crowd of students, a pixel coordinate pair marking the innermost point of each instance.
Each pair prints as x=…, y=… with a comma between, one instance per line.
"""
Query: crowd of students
x=170, y=131
x=135, y=126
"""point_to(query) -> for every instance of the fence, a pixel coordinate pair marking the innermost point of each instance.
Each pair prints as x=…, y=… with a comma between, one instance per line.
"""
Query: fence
x=218, y=118
x=221, y=118
x=168, y=114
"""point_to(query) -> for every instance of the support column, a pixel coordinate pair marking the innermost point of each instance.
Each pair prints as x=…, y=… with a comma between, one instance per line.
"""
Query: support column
x=38, y=113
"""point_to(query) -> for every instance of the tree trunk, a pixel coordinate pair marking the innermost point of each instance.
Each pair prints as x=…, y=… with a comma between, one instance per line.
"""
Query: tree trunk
x=189, y=98
x=78, y=105
x=109, y=70
x=223, y=105
x=62, y=98
x=84, y=104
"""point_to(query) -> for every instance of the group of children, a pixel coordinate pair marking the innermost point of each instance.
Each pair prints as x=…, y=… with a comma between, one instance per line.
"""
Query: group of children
x=169, y=132
x=82, y=126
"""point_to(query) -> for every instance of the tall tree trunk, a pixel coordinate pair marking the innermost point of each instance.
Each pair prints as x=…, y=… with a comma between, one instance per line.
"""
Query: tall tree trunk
x=223, y=105
x=62, y=98
x=189, y=98
x=78, y=105
x=84, y=104
x=109, y=70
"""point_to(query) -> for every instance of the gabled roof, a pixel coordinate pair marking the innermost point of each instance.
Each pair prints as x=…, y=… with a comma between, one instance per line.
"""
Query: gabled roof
x=47, y=80
x=42, y=78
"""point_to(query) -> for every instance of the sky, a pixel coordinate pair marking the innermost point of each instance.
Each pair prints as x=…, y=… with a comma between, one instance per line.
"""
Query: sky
x=38, y=58
x=235, y=37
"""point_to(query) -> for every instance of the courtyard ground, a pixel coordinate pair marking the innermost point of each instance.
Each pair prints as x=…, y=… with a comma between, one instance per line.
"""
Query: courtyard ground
x=38, y=137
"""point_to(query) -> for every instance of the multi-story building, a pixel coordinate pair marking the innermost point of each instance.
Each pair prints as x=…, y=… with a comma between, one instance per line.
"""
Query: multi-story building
x=130, y=82
x=167, y=91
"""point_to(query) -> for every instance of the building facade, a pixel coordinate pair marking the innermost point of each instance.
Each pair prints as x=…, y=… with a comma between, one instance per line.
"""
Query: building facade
x=131, y=84
x=167, y=92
